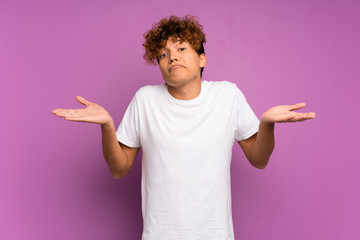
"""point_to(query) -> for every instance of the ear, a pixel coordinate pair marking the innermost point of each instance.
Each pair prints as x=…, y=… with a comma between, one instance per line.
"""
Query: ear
x=202, y=60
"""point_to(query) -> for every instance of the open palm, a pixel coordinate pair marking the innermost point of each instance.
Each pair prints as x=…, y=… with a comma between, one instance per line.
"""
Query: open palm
x=92, y=113
x=285, y=113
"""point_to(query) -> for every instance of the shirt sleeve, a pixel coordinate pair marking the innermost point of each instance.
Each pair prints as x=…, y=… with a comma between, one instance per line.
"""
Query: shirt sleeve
x=128, y=130
x=247, y=124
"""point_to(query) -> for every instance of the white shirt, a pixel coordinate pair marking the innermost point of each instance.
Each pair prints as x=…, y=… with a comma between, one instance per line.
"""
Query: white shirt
x=187, y=148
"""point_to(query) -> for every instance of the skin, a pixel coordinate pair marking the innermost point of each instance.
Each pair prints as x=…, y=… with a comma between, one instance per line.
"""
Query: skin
x=118, y=156
x=258, y=148
x=180, y=67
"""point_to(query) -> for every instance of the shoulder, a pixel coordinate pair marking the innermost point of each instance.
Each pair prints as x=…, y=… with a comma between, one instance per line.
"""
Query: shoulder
x=223, y=87
x=149, y=91
x=221, y=84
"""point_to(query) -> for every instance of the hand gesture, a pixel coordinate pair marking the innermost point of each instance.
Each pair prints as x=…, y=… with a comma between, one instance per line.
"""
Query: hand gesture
x=285, y=113
x=93, y=113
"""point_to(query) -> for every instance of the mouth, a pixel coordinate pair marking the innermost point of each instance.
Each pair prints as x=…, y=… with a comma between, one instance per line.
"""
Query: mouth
x=175, y=67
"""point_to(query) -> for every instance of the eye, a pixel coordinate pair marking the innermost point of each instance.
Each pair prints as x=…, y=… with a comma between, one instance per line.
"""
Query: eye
x=163, y=55
x=182, y=49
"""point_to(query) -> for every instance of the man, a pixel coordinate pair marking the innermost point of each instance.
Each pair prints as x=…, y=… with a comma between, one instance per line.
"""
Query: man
x=186, y=129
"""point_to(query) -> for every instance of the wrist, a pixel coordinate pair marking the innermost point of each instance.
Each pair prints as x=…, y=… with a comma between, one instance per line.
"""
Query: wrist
x=108, y=124
x=264, y=123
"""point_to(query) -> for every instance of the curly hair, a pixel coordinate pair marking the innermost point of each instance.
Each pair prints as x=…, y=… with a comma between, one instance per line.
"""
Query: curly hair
x=186, y=28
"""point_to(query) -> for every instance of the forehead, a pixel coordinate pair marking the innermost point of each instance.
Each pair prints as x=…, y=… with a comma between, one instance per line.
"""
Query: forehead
x=173, y=42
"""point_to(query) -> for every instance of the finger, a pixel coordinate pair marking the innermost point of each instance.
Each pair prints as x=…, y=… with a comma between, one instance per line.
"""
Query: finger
x=311, y=115
x=75, y=115
x=80, y=118
x=76, y=118
x=82, y=100
x=297, y=106
x=54, y=111
x=67, y=112
x=303, y=116
x=57, y=111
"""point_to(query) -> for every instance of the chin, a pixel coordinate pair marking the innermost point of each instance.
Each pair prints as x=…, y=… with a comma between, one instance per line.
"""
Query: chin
x=174, y=82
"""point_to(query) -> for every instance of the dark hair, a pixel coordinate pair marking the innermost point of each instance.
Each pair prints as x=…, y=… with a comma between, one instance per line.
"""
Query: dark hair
x=187, y=29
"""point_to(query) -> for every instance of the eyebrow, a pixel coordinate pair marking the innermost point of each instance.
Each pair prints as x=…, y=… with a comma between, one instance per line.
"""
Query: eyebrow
x=176, y=43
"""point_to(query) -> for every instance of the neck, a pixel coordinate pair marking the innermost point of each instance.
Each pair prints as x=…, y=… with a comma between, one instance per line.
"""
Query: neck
x=185, y=92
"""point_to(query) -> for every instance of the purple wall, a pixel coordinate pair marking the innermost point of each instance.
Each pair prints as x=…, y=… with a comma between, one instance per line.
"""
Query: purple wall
x=54, y=182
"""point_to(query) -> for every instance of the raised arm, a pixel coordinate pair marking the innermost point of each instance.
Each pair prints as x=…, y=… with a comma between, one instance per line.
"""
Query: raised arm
x=118, y=156
x=259, y=147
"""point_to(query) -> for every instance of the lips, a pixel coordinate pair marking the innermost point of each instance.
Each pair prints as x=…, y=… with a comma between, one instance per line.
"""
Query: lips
x=175, y=67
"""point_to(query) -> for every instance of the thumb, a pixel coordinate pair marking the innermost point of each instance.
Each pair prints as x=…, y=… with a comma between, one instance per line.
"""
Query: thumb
x=297, y=106
x=82, y=100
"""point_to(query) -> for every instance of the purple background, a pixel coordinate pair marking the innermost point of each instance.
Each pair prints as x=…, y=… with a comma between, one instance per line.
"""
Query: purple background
x=54, y=182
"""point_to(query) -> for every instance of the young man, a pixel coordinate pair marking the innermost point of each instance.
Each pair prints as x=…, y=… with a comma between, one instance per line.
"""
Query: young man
x=186, y=129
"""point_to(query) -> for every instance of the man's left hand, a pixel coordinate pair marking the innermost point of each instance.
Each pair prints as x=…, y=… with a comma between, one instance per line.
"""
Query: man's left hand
x=285, y=113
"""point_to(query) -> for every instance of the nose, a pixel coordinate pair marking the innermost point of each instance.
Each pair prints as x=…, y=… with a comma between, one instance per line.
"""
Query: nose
x=173, y=56
x=173, y=59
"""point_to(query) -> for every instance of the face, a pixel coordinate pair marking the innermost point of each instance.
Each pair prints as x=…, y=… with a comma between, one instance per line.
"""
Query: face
x=179, y=63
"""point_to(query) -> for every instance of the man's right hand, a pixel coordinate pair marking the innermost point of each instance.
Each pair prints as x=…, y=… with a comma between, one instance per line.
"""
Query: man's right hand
x=118, y=156
x=93, y=113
